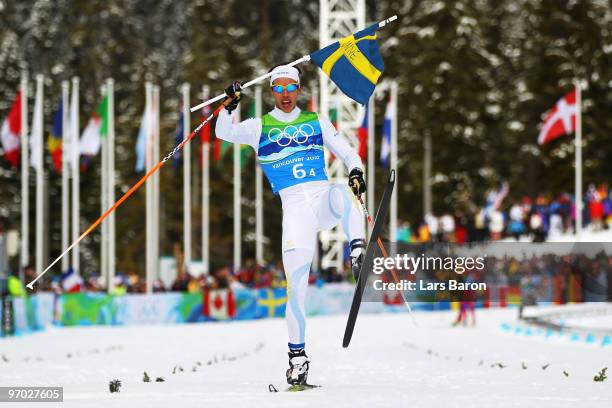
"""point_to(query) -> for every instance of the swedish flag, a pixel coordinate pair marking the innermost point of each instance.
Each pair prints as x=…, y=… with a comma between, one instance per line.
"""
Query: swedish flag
x=354, y=63
x=271, y=302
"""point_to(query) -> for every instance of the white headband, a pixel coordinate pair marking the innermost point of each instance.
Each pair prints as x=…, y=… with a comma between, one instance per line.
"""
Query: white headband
x=284, y=71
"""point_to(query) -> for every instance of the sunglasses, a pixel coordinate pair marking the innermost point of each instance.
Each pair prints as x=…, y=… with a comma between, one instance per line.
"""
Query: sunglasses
x=289, y=87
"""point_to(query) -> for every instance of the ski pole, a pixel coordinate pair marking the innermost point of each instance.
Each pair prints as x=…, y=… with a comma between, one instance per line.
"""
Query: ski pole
x=385, y=254
x=132, y=190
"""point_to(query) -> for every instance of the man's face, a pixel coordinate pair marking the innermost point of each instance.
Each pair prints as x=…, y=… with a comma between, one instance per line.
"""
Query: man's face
x=285, y=101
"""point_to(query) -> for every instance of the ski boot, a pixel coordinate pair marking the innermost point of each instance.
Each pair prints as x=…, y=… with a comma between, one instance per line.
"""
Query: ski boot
x=297, y=374
x=357, y=254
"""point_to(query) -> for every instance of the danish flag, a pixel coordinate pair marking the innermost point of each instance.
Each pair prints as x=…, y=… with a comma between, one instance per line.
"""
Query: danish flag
x=561, y=120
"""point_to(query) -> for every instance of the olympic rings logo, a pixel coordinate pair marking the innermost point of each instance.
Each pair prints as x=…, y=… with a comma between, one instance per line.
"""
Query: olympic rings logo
x=291, y=133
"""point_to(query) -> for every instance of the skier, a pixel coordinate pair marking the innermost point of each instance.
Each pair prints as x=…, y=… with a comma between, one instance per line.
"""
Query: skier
x=289, y=146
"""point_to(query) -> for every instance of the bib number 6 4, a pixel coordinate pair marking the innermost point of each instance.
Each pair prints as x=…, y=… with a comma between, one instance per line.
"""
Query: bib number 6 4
x=300, y=173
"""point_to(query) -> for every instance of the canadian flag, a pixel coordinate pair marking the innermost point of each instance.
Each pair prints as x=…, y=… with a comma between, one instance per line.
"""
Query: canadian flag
x=561, y=120
x=219, y=304
x=11, y=129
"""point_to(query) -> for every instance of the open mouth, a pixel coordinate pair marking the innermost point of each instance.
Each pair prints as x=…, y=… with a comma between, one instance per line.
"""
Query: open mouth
x=286, y=103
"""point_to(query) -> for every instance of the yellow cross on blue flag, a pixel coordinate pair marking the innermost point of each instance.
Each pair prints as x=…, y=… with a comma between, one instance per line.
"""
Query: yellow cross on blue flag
x=354, y=63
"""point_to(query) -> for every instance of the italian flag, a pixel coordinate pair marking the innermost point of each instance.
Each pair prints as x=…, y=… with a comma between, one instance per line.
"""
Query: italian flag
x=97, y=127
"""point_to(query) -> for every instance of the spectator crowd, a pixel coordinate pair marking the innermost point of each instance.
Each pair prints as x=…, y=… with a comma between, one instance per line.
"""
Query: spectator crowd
x=533, y=219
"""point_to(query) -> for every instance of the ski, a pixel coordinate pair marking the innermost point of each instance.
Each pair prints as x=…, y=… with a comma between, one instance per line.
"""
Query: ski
x=301, y=387
x=295, y=387
x=381, y=215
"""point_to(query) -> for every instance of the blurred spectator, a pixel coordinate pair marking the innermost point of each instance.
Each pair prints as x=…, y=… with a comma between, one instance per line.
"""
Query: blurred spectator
x=461, y=229
x=433, y=226
x=447, y=225
x=181, y=282
x=516, y=228
x=537, y=227
x=404, y=232
x=158, y=286
x=424, y=234
x=496, y=225
x=595, y=207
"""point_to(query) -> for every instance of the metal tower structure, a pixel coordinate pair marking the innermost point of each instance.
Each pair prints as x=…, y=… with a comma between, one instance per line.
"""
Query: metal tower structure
x=338, y=18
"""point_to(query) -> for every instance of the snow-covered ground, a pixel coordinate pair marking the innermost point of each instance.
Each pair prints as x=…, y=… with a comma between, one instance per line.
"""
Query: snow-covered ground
x=584, y=316
x=587, y=235
x=390, y=362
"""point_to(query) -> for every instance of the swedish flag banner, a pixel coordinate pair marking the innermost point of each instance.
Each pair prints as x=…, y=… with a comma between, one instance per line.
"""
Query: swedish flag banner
x=354, y=63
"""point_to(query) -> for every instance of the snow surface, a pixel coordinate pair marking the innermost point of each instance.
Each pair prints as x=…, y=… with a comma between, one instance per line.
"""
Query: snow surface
x=390, y=362
x=583, y=316
x=587, y=235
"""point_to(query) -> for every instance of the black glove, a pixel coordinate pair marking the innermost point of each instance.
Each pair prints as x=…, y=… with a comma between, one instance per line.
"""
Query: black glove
x=356, y=181
x=233, y=91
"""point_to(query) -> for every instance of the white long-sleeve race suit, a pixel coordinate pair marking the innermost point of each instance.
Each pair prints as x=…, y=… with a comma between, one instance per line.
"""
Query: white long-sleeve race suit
x=289, y=147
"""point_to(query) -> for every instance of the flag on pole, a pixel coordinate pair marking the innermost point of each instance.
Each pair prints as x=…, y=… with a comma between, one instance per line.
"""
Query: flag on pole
x=11, y=129
x=495, y=198
x=36, y=134
x=206, y=129
x=333, y=116
x=141, y=142
x=97, y=127
x=221, y=147
x=74, y=130
x=54, y=141
x=205, y=132
x=385, y=146
x=354, y=63
x=560, y=120
x=362, y=136
x=71, y=281
x=148, y=123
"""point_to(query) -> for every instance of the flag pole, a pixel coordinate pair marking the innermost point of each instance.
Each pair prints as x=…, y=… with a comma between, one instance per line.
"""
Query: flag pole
x=74, y=165
x=65, y=174
x=237, y=201
x=316, y=258
x=578, y=164
x=186, y=182
x=371, y=175
x=259, y=225
x=149, y=187
x=104, y=201
x=131, y=191
x=25, y=168
x=206, y=195
x=110, y=198
x=39, y=171
x=393, y=209
x=156, y=193
x=305, y=58
x=427, y=175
